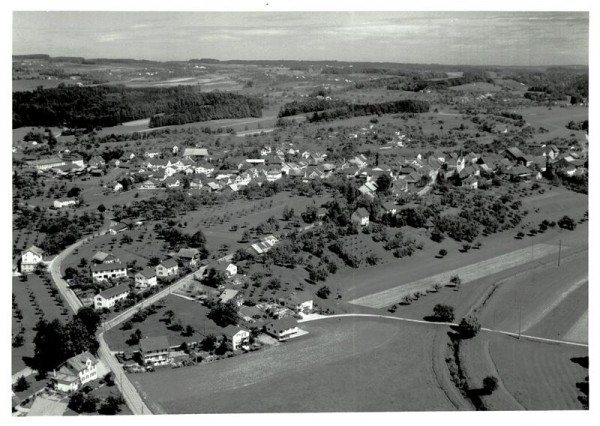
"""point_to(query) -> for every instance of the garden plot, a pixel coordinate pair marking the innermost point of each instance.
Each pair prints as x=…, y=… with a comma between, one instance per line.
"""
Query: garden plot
x=467, y=273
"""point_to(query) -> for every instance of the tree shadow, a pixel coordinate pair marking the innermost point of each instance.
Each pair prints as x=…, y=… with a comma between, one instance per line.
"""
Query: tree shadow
x=582, y=361
x=433, y=318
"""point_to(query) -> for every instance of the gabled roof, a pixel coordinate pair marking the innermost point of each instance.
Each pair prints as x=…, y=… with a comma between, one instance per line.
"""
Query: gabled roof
x=284, y=323
x=232, y=330
x=169, y=263
x=114, y=291
x=34, y=250
x=362, y=212
x=100, y=256
x=78, y=362
x=148, y=272
x=187, y=253
x=202, y=152
x=154, y=343
x=108, y=267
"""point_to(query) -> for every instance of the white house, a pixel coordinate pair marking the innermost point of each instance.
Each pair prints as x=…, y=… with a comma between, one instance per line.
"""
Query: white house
x=65, y=202
x=230, y=295
x=155, y=350
x=30, y=258
x=108, y=297
x=283, y=328
x=360, y=217
x=145, y=278
x=76, y=372
x=300, y=302
x=237, y=337
x=105, y=271
x=228, y=268
x=166, y=268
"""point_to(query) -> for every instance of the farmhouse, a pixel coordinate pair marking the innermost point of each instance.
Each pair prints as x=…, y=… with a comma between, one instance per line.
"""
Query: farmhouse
x=109, y=270
x=76, y=372
x=155, y=350
x=145, y=278
x=195, y=153
x=389, y=207
x=283, y=328
x=360, y=217
x=104, y=258
x=30, y=259
x=516, y=155
x=166, y=268
x=65, y=202
x=108, y=297
x=265, y=244
x=300, y=302
x=47, y=163
x=238, y=338
x=119, y=227
x=189, y=256
x=96, y=161
x=228, y=268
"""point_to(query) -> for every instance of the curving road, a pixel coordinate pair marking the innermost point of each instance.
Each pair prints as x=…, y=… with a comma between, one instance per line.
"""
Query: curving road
x=133, y=399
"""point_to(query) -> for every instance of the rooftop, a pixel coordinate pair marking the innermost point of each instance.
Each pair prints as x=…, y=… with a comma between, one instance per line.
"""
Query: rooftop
x=154, y=343
x=114, y=291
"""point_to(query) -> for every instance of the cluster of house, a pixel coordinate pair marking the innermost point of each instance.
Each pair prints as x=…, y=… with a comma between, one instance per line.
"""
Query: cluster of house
x=106, y=266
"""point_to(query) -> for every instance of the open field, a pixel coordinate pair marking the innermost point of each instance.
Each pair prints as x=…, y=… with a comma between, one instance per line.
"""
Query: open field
x=479, y=87
x=26, y=294
x=344, y=364
x=466, y=273
x=540, y=294
x=555, y=121
x=540, y=376
x=187, y=311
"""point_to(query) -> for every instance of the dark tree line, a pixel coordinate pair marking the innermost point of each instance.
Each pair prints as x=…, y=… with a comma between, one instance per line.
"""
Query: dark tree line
x=84, y=107
x=357, y=110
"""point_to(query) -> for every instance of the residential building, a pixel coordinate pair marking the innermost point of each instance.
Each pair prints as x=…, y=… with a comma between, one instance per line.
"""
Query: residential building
x=155, y=350
x=167, y=268
x=103, y=272
x=110, y=296
x=282, y=329
x=238, y=338
x=230, y=295
x=145, y=278
x=195, y=153
x=30, y=259
x=76, y=372
x=47, y=163
x=104, y=258
x=360, y=217
x=189, y=256
x=65, y=202
x=300, y=302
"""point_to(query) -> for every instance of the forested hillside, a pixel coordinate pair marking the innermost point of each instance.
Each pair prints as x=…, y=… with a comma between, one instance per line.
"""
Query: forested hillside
x=111, y=105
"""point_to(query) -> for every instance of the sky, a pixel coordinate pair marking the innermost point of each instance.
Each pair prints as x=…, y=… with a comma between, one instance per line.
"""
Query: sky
x=470, y=38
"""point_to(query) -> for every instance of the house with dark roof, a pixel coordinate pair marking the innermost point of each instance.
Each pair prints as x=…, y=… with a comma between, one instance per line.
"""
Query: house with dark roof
x=300, y=302
x=360, y=217
x=514, y=154
x=167, y=268
x=189, y=256
x=145, y=278
x=236, y=337
x=155, y=350
x=105, y=271
x=76, y=372
x=108, y=297
x=282, y=329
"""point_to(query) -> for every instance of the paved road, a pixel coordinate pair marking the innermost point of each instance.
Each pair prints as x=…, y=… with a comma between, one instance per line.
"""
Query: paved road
x=508, y=333
x=130, y=394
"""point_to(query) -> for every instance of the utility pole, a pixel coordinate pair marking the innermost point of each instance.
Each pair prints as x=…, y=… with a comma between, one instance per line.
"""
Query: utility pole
x=559, y=248
x=520, y=308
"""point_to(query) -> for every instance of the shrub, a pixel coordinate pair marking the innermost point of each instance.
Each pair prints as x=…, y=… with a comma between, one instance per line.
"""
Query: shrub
x=443, y=252
x=443, y=313
x=469, y=326
x=323, y=292
x=490, y=384
x=567, y=223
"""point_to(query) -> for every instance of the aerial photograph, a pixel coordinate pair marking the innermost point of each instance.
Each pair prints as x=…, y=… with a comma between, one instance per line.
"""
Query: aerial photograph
x=299, y=212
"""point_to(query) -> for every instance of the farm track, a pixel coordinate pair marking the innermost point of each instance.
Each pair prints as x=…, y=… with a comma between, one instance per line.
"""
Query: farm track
x=467, y=273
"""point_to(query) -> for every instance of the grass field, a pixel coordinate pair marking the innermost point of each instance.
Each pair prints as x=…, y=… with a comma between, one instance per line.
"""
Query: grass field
x=539, y=376
x=187, y=311
x=342, y=365
x=551, y=299
x=25, y=294
x=466, y=273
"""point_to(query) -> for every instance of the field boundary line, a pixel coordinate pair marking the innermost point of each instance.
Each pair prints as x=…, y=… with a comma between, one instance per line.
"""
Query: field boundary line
x=508, y=333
